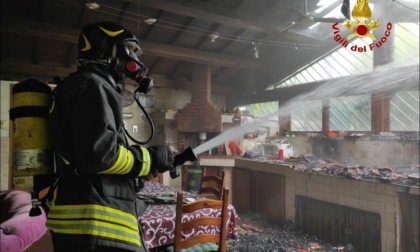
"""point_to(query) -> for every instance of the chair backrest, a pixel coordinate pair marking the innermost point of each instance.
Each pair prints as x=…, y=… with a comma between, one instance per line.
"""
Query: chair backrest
x=212, y=186
x=219, y=221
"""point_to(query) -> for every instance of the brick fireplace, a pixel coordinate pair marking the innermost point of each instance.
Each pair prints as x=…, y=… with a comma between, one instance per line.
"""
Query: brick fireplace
x=199, y=115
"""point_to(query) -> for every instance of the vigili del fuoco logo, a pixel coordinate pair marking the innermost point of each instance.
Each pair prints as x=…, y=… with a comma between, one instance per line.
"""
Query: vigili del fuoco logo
x=362, y=27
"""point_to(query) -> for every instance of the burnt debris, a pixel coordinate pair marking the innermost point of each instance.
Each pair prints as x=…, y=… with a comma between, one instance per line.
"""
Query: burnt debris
x=261, y=235
x=402, y=175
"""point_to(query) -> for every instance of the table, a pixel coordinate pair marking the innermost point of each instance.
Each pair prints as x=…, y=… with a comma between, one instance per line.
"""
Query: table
x=158, y=221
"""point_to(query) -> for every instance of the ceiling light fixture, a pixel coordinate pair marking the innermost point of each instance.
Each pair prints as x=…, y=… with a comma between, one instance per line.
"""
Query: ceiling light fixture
x=214, y=36
x=92, y=5
x=150, y=21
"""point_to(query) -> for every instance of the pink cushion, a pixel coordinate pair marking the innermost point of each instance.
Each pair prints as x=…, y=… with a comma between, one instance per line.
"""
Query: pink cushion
x=18, y=230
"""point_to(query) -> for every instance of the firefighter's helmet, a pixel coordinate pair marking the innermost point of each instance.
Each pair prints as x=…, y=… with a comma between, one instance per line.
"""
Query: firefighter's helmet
x=113, y=45
x=100, y=41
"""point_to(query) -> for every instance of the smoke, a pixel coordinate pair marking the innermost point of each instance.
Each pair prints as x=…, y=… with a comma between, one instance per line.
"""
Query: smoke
x=404, y=11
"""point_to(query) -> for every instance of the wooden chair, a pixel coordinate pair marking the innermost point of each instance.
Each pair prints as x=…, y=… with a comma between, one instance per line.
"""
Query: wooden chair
x=201, y=242
x=212, y=186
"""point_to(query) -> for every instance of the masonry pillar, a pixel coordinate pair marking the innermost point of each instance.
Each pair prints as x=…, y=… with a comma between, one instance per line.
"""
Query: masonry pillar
x=383, y=54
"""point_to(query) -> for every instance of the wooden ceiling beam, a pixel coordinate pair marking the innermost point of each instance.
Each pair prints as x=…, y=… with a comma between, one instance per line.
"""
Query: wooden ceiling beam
x=175, y=40
x=203, y=15
x=70, y=35
x=10, y=68
x=73, y=47
x=161, y=81
x=42, y=71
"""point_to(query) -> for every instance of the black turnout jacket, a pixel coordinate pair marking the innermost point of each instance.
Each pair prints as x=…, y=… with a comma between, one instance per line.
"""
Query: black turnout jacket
x=95, y=199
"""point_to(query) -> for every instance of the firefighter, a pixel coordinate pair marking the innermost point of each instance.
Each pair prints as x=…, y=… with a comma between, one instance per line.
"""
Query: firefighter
x=94, y=208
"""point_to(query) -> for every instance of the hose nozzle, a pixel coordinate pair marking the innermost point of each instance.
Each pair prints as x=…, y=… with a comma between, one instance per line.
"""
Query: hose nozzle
x=187, y=155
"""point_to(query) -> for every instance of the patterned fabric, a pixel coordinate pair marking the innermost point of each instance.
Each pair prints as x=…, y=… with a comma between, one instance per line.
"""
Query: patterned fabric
x=158, y=221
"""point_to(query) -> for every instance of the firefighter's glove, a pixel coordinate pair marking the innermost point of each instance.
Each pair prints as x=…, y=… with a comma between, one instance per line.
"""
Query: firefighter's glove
x=162, y=158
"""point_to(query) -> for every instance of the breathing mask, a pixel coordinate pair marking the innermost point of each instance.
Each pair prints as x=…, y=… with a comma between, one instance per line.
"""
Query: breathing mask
x=130, y=65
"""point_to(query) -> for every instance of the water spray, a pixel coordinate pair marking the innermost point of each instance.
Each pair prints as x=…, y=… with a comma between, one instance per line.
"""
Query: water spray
x=385, y=79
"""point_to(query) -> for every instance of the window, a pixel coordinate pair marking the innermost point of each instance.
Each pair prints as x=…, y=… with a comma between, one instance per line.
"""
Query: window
x=306, y=116
x=354, y=113
x=339, y=63
x=404, y=106
x=263, y=109
x=404, y=111
x=350, y=113
x=406, y=43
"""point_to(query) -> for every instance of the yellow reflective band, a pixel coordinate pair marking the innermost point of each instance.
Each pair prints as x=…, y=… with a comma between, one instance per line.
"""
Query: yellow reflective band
x=128, y=163
x=57, y=211
x=111, y=33
x=98, y=225
x=87, y=44
x=145, y=168
x=123, y=164
x=105, y=218
x=94, y=228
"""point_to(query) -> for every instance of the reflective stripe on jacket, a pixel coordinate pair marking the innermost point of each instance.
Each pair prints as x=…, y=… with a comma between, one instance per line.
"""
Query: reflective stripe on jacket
x=96, y=220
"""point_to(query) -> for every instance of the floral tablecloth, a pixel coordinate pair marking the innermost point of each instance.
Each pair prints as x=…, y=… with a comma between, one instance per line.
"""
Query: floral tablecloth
x=158, y=221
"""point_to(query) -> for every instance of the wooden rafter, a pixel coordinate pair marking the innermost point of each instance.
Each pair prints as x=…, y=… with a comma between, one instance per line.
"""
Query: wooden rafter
x=69, y=35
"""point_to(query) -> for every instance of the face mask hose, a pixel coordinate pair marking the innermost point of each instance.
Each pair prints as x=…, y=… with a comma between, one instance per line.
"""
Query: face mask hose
x=152, y=133
x=135, y=70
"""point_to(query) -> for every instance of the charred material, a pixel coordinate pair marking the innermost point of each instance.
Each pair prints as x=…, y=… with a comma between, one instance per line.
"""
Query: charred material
x=262, y=235
x=403, y=175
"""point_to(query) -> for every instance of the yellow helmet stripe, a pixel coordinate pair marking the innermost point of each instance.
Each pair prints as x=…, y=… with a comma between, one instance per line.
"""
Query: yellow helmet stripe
x=87, y=44
x=111, y=33
x=52, y=106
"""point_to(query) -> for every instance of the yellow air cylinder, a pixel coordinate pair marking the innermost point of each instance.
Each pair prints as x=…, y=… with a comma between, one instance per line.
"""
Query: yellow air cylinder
x=32, y=154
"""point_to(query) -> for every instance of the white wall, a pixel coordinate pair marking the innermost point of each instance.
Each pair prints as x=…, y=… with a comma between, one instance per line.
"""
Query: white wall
x=4, y=117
